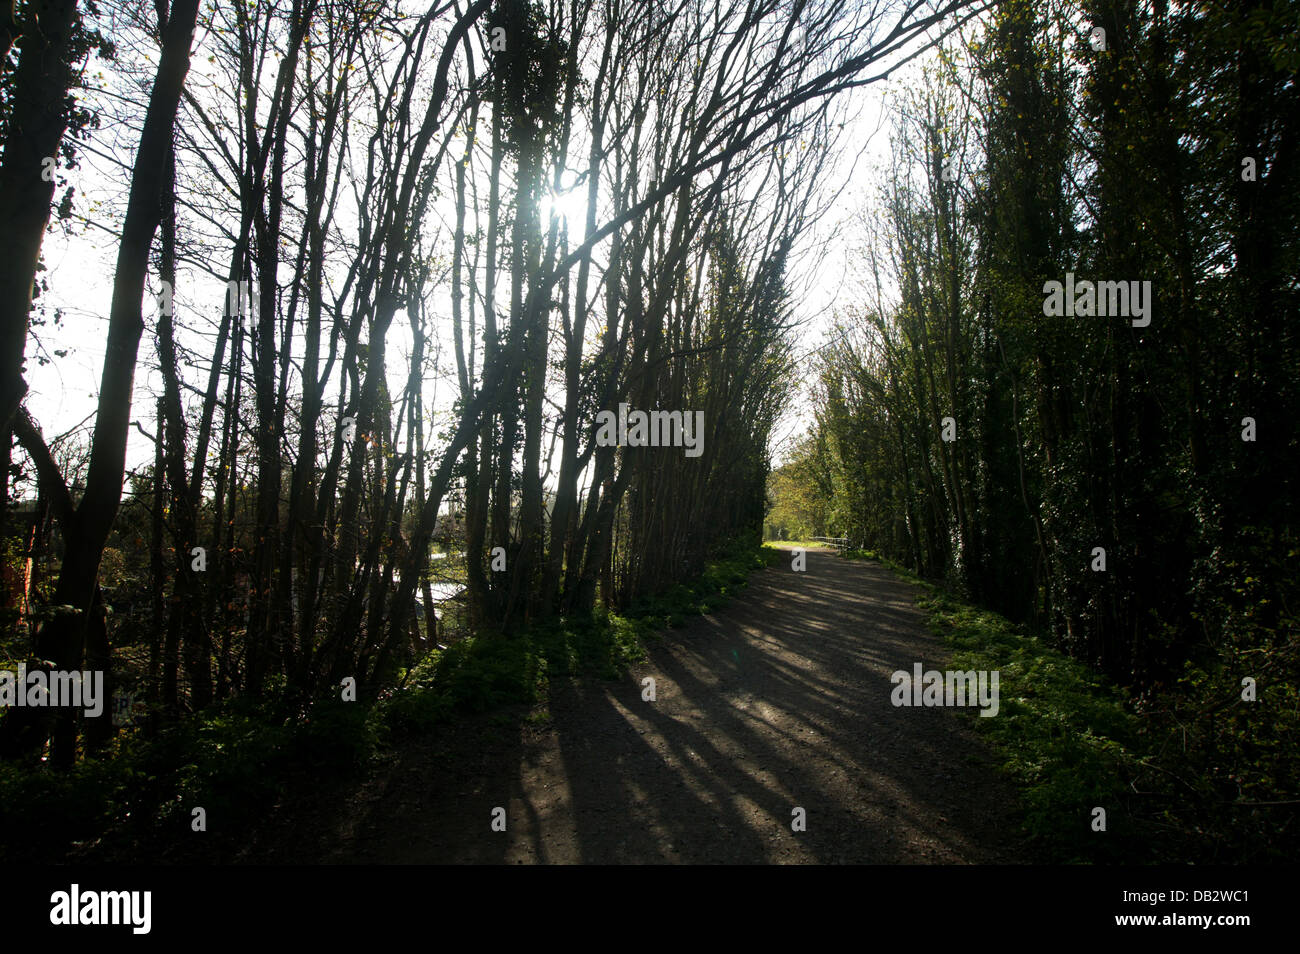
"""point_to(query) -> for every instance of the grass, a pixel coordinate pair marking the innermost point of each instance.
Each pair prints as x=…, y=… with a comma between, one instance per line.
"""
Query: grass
x=486, y=672
x=237, y=760
x=1063, y=733
x=1187, y=772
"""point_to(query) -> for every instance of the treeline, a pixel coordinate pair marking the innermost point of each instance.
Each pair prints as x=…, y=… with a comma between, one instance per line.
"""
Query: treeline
x=333, y=209
x=1117, y=470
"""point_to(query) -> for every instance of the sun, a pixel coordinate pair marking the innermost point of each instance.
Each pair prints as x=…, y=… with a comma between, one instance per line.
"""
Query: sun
x=569, y=205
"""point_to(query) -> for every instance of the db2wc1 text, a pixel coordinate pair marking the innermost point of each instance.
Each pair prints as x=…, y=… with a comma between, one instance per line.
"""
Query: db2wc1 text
x=1157, y=897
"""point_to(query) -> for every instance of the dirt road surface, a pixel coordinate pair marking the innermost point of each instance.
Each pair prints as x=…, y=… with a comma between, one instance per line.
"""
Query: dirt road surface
x=779, y=701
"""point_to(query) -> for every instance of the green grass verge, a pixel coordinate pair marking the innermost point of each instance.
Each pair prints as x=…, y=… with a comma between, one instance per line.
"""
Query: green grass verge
x=1189, y=771
x=489, y=671
x=1063, y=733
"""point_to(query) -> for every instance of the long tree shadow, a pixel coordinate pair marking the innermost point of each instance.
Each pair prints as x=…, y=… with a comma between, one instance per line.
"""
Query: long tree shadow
x=782, y=701
x=779, y=702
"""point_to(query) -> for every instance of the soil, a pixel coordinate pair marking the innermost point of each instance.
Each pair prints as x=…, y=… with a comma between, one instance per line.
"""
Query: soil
x=779, y=701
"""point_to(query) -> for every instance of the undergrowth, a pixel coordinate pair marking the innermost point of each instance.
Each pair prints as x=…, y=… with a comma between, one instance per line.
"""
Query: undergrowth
x=237, y=760
x=1185, y=773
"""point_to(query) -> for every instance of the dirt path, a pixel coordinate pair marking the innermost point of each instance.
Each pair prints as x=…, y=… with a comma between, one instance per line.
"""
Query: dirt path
x=780, y=700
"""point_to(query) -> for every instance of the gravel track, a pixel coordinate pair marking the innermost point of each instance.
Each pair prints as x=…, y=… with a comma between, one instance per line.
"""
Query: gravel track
x=780, y=700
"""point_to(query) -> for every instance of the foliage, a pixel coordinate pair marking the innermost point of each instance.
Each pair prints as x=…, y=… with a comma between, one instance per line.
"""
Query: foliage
x=1093, y=477
x=238, y=761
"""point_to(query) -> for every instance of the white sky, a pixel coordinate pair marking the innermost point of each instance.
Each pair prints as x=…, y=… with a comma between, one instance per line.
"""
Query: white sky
x=80, y=264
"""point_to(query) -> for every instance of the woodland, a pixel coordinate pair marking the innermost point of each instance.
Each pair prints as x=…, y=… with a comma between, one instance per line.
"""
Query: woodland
x=383, y=276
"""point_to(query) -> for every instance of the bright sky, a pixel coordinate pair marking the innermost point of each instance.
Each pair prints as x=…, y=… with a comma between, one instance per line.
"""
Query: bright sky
x=80, y=265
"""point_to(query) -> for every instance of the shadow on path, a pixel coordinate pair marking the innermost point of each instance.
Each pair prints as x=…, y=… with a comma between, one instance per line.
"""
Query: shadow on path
x=779, y=701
